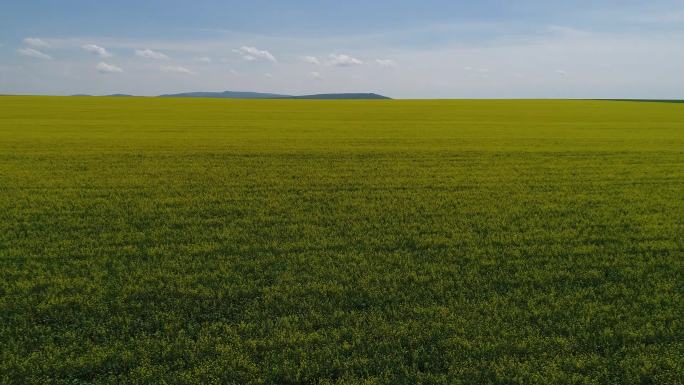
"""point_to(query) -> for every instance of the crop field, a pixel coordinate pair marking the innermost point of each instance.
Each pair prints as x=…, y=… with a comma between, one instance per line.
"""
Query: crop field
x=198, y=241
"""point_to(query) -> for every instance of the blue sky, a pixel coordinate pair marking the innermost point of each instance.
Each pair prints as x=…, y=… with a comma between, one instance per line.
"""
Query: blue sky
x=409, y=49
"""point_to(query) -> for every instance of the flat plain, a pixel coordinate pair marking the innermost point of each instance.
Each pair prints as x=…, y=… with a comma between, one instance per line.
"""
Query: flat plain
x=188, y=241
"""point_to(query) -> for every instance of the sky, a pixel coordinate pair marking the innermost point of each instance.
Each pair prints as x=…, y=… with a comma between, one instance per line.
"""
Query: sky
x=399, y=48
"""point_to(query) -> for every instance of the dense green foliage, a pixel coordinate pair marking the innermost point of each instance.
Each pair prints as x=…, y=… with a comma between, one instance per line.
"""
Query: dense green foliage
x=188, y=241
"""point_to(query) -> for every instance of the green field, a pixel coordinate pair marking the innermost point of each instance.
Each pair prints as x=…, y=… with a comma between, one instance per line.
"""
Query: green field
x=190, y=241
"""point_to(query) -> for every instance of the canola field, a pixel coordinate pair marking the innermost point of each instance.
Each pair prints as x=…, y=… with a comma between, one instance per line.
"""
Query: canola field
x=208, y=241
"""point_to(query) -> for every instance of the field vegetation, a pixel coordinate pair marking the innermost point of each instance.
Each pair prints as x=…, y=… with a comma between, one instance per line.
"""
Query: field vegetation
x=197, y=241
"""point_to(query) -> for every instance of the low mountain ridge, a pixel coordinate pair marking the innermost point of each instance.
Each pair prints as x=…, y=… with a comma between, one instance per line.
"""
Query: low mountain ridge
x=226, y=94
x=342, y=96
x=261, y=95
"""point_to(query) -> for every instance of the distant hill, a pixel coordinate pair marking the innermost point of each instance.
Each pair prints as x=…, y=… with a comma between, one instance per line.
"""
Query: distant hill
x=341, y=96
x=646, y=100
x=226, y=95
x=112, y=95
x=260, y=95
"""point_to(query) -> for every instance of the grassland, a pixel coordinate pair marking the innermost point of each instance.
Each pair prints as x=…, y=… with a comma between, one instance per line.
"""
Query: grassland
x=177, y=241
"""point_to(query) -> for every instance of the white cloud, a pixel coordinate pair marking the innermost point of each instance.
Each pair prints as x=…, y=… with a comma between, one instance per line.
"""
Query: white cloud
x=311, y=60
x=36, y=42
x=387, y=63
x=253, y=53
x=177, y=69
x=105, y=68
x=34, y=53
x=149, y=54
x=316, y=75
x=96, y=49
x=562, y=72
x=268, y=75
x=342, y=60
x=204, y=59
